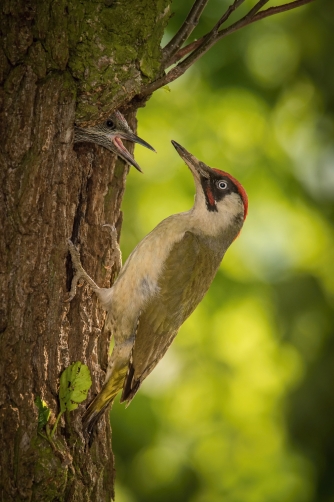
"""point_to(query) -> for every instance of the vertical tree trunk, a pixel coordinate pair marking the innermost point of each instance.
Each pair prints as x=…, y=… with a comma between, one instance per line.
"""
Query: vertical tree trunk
x=60, y=61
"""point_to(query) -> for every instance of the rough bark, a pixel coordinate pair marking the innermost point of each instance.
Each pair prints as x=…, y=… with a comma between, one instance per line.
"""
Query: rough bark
x=60, y=62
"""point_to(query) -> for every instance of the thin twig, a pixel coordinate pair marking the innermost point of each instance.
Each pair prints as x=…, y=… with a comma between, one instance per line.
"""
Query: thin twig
x=185, y=50
x=171, y=59
x=256, y=8
x=280, y=8
x=261, y=15
x=210, y=38
x=247, y=19
x=214, y=35
x=186, y=29
x=208, y=41
x=227, y=14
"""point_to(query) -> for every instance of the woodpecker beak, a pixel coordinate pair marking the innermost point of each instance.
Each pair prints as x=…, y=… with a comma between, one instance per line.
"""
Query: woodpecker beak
x=197, y=167
x=123, y=152
x=130, y=136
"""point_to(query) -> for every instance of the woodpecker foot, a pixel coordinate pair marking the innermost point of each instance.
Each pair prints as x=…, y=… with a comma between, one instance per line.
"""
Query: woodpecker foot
x=80, y=273
x=116, y=254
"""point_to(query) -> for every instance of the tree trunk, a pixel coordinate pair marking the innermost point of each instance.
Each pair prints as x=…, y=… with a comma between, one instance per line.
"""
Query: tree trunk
x=61, y=61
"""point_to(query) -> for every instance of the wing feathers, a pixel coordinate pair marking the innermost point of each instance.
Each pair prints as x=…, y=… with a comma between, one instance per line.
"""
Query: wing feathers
x=187, y=275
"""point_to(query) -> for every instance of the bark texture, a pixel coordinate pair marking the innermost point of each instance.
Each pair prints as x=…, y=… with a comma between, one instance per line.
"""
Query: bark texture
x=60, y=62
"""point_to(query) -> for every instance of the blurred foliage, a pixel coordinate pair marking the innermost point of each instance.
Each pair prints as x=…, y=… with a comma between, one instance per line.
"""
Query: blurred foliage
x=241, y=409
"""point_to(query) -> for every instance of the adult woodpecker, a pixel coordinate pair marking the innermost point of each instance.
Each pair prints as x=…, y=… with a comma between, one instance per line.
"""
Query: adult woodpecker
x=109, y=134
x=163, y=280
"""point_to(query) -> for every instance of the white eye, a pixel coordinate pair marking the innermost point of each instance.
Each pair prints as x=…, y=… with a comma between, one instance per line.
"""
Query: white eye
x=222, y=185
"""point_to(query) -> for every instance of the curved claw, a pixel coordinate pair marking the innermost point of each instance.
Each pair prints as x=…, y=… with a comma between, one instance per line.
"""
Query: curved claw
x=80, y=272
x=117, y=253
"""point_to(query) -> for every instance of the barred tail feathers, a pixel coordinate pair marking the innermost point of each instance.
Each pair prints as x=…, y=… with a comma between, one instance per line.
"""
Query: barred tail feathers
x=108, y=393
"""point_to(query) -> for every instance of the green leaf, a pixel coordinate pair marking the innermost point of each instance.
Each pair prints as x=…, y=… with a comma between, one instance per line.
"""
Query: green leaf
x=75, y=383
x=43, y=413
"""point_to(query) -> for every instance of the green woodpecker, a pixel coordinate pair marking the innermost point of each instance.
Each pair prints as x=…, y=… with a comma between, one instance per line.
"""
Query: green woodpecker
x=163, y=280
x=109, y=134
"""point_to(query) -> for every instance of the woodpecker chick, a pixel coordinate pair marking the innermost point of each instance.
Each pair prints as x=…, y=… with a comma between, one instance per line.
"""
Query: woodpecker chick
x=163, y=280
x=109, y=134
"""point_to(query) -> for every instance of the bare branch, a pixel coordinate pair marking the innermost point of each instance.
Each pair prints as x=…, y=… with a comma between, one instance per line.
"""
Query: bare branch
x=185, y=50
x=248, y=19
x=280, y=8
x=186, y=29
x=227, y=14
x=171, y=59
x=201, y=46
x=214, y=35
x=261, y=15
x=256, y=8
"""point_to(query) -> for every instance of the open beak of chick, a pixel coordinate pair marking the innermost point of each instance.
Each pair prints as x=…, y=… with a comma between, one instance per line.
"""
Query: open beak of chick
x=110, y=134
x=123, y=152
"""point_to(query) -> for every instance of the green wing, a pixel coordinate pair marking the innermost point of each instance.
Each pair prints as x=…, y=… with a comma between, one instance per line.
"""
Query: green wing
x=187, y=275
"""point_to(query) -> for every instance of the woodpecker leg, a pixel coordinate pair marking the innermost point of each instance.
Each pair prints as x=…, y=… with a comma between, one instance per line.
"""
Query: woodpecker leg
x=116, y=254
x=80, y=273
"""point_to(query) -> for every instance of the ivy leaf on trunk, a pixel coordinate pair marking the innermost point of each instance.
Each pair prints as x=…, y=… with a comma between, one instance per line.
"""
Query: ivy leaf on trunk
x=75, y=383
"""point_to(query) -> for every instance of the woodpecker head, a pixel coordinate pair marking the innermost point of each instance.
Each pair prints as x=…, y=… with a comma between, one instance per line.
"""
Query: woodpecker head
x=217, y=193
x=109, y=134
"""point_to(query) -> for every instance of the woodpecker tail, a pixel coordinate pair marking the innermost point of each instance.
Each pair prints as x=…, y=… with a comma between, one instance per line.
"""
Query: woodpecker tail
x=92, y=415
x=101, y=402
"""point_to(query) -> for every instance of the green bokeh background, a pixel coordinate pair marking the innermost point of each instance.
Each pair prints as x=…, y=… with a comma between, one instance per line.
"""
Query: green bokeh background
x=241, y=409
